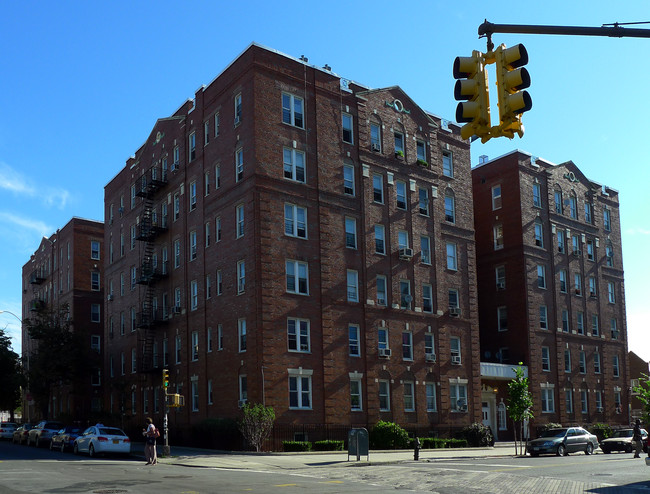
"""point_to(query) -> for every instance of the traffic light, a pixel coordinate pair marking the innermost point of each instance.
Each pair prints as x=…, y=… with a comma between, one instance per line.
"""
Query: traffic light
x=472, y=88
x=512, y=77
x=165, y=379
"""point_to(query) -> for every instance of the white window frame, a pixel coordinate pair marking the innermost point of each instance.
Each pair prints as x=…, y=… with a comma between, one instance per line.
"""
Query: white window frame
x=352, y=285
x=356, y=394
x=241, y=335
x=349, y=186
x=401, y=195
x=347, y=126
x=384, y=395
x=354, y=340
x=452, y=256
x=291, y=168
x=241, y=277
x=295, y=221
x=298, y=380
x=350, y=233
x=447, y=164
x=407, y=345
x=292, y=274
x=382, y=291
x=291, y=112
x=239, y=218
x=298, y=335
x=409, y=396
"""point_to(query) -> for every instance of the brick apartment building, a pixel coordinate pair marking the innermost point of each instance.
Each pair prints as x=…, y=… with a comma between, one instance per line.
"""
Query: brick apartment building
x=638, y=369
x=292, y=238
x=550, y=284
x=67, y=268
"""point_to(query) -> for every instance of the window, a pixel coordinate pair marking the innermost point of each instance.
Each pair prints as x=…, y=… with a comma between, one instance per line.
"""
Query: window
x=539, y=234
x=399, y=143
x=350, y=233
x=209, y=340
x=568, y=394
x=347, y=128
x=405, y=294
x=577, y=282
x=599, y=400
x=543, y=317
x=243, y=388
x=219, y=337
x=582, y=362
x=217, y=229
x=295, y=221
x=450, y=207
x=298, y=335
x=206, y=132
x=375, y=137
x=177, y=298
x=447, y=164
x=421, y=150
x=348, y=180
x=380, y=240
x=548, y=400
x=378, y=188
x=567, y=360
x=219, y=282
x=355, y=395
x=133, y=320
x=590, y=250
x=454, y=302
x=588, y=215
x=195, y=395
x=546, y=359
x=613, y=328
x=454, y=346
x=177, y=206
x=541, y=276
x=452, y=259
x=95, y=313
x=573, y=207
x=597, y=363
x=607, y=220
x=94, y=281
x=240, y=220
x=192, y=196
x=300, y=388
x=239, y=165
x=353, y=340
x=609, y=255
x=134, y=366
x=497, y=232
x=565, y=320
x=563, y=281
x=241, y=334
x=382, y=338
x=177, y=253
x=537, y=195
x=409, y=396
x=384, y=396
x=580, y=322
x=294, y=165
x=400, y=191
x=557, y=196
x=292, y=110
x=192, y=146
x=237, y=109
x=575, y=243
x=165, y=352
x=496, y=197
x=561, y=241
x=502, y=318
x=192, y=245
x=217, y=176
x=94, y=251
x=134, y=234
x=611, y=295
x=402, y=239
x=297, y=277
x=458, y=397
x=381, y=291
x=241, y=277
x=500, y=277
x=194, y=294
x=427, y=298
x=425, y=250
x=407, y=345
x=594, y=325
x=353, y=286
x=195, y=345
x=178, y=349
x=423, y=195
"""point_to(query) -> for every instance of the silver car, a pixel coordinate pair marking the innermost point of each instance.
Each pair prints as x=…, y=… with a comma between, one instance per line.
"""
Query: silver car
x=563, y=441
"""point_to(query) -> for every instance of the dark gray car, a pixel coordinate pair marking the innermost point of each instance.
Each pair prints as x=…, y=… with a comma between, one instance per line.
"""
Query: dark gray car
x=563, y=441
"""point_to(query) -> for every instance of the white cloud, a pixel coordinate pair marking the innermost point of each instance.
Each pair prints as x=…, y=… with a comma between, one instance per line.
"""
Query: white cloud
x=20, y=185
x=637, y=231
x=35, y=225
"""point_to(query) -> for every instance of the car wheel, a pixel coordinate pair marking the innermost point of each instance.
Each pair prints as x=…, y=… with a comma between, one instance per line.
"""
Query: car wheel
x=534, y=454
x=75, y=449
x=91, y=451
x=590, y=449
x=62, y=446
x=605, y=450
x=51, y=445
x=561, y=450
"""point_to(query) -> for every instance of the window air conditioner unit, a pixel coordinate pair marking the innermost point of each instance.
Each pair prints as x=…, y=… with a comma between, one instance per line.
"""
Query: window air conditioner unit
x=176, y=310
x=501, y=285
x=538, y=242
x=241, y=403
x=455, y=359
x=454, y=311
x=175, y=166
x=405, y=253
x=462, y=408
x=384, y=352
x=431, y=357
x=599, y=409
x=110, y=297
x=577, y=253
x=376, y=148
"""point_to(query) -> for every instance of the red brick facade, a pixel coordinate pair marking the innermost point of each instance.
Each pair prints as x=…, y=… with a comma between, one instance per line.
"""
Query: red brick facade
x=67, y=268
x=560, y=249
x=293, y=122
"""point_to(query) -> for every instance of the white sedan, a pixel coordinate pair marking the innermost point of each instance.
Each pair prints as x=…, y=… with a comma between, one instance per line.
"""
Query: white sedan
x=99, y=439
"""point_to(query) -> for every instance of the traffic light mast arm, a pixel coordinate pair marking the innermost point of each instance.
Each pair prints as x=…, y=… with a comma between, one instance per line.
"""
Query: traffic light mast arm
x=616, y=31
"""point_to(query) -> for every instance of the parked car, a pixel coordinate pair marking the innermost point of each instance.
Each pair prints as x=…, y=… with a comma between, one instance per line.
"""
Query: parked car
x=563, y=441
x=21, y=434
x=621, y=440
x=7, y=430
x=99, y=439
x=43, y=432
x=64, y=439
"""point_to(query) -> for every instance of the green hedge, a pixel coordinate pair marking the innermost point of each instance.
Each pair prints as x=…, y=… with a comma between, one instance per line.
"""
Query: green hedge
x=388, y=435
x=296, y=446
x=440, y=443
x=329, y=445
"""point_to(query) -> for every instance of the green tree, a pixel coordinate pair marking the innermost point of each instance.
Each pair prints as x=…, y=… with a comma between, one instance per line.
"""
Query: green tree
x=57, y=358
x=520, y=406
x=643, y=394
x=12, y=377
x=257, y=424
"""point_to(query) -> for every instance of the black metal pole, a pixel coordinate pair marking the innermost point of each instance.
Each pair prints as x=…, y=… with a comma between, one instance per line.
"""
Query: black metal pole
x=488, y=28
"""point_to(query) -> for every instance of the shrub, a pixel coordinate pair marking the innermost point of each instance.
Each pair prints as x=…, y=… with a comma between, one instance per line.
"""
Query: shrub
x=601, y=431
x=329, y=445
x=477, y=435
x=289, y=446
x=388, y=435
x=544, y=427
x=456, y=443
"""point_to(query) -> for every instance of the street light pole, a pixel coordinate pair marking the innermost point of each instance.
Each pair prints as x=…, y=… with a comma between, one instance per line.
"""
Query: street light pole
x=9, y=312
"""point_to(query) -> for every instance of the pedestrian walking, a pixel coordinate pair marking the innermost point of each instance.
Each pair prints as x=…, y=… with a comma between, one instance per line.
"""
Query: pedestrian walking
x=636, y=437
x=150, y=434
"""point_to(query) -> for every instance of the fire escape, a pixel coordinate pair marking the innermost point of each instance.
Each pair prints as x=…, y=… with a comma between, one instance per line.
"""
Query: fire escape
x=151, y=270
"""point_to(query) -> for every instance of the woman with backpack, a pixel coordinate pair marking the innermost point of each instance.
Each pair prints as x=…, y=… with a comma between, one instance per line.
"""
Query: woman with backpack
x=150, y=434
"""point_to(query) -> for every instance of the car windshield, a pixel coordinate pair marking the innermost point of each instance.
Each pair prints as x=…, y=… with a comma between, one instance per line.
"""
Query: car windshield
x=111, y=431
x=625, y=433
x=554, y=433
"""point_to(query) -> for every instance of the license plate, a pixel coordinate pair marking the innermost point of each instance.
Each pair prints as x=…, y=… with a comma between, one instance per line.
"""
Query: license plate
x=116, y=441
x=535, y=449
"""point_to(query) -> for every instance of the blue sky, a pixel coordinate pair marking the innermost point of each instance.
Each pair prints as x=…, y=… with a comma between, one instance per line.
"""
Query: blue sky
x=83, y=83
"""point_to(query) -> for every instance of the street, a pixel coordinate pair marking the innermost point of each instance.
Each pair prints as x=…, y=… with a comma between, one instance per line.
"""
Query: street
x=27, y=469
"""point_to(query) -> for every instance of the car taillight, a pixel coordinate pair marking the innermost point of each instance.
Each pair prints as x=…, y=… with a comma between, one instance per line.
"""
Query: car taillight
x=101, y=438
x=127, y=440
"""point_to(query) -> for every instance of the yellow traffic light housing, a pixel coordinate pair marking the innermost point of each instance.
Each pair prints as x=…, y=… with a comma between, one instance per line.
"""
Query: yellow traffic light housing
x=472, y=88
x=512, y=77
x=165, y=379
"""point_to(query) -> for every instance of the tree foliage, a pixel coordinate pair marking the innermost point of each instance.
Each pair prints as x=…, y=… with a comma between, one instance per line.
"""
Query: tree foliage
x=520, y=405
x=57, y=355
x=643, y=394
x=257, y=424
x=11, y=372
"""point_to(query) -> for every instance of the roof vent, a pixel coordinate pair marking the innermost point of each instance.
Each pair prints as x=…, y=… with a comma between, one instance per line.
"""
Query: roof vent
x=482, y=159
x=304, y=58
x=327, y=67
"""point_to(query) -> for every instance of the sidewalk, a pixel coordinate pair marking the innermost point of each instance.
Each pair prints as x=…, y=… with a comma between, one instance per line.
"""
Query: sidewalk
x=192, y=457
